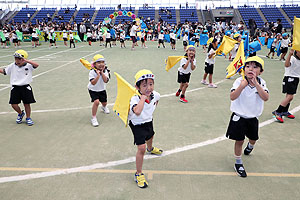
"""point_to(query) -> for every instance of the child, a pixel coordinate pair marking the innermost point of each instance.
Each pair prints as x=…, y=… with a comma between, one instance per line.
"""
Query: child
x=187, y=65
x=273, y=46
x=20, y=77
x=89, y=37
x=284, y=45
x=6, y=38
x=107, y=38
x=100, y=37
x=140, y=121
x=185, y=40
x=197, y=39
x=71, y=37
x=15, y=38
x=143, y=39
x=65, y=37
x=289, y=85
x=209, y=64
x=122, y=39
x=161, y=39
x=233, y=52
x=247, y=102
x=52, y=36
x=34, y=38
x=98, y=77
x=173, y=39
x=204, y=46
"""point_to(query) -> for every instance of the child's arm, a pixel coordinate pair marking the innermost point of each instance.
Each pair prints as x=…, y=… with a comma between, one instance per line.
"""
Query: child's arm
x=95, y=80
x=264, y=95
x=34, y=64
x=139, y=107
x=186, y=64
x=104, y=77
x=236, y=93
x=192, y=63
x=288, y=60
x=1, y=70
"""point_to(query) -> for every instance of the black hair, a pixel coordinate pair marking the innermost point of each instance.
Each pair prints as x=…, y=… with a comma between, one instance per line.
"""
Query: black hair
x=257, y=64
x=211, y=45
x=138, y=84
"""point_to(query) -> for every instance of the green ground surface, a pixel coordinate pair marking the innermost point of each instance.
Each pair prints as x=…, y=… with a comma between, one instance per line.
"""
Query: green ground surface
x=63, y=137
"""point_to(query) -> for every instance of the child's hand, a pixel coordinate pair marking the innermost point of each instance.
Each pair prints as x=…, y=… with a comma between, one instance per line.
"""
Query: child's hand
x=244, y=83
x=98, y=72
x=292, y=51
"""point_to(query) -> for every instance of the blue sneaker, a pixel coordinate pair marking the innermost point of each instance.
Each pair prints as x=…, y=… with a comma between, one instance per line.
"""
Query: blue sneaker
x=29, y=121
x=20, y=117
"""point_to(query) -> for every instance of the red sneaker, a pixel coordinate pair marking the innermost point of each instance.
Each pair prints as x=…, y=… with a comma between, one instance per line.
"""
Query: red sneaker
x=289, y=115
x=183, y=100
x=278, y=116
x=177, y=94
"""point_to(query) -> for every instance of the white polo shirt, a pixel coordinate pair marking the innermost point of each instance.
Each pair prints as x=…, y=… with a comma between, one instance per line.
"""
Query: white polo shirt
x=188, y=69
x=147, y=112
x=161, y=36
x=285, y=42
x=248, y=104
x=133, y=30
x=100, y=85
x=172, y=36
x=211, y=60
x=19, y=75
x=294, y=69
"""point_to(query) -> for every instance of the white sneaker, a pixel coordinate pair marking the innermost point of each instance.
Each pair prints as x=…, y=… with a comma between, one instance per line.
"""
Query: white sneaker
x=105, y=109
x=204, y=82
x=94, y=122
x=212, y=85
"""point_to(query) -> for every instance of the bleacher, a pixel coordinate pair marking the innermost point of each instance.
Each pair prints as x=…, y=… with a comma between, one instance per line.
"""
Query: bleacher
x=84, y=11
x=42, y=15
x=272, y=14
x=103, y=13
x=146, y=12
x=291, y=11
x=165, y=16
x=251, y=13
x=187, y=14
x=22, y=15
x=65, y=13
x=125, y=18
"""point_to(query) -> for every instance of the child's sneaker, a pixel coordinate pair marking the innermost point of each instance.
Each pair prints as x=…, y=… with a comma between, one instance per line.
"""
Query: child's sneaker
x=105, y=109
x=247, y=150
x=155, y=151
x=20, y=117
x=240, y=170
x=267, y=56
x=288, y=115
x=140, y=180
x=204, y=82
x=211, y=85
x=29, y=121
x=177, y=94
x=278, y=116
x=183, y=100
x=94, y=122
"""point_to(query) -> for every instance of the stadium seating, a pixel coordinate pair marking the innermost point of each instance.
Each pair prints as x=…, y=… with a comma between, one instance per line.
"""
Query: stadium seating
x=22, y=15
x=84, y=11
x=171, y=19
x=251, y=13
x=65, y=13
x=188, y=14
x=146, y=12
x=272, y=14
x=103, y=13
x=292, y=11
x=42, y=15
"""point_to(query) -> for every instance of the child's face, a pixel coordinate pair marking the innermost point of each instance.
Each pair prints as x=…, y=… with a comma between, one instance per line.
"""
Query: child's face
x=19, y=61
x=99, y=65
x=146, y=87
x=191, y=53
x=252, y=70
x=239, y=39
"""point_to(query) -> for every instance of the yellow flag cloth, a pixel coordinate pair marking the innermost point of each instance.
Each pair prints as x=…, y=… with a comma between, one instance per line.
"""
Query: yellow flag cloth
x=296, y=34
x=237, y=64
x=86, y=63
x=226, y=45
x=172, y=61
x=209, y=40
x=122, y=103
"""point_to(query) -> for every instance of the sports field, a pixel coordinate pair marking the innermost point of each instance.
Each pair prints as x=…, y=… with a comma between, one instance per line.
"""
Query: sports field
x=63, y=157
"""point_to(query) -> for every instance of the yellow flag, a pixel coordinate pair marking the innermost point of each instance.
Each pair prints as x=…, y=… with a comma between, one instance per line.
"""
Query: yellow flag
x=86, y=63
x=172, y=61
x=122, y=103
x=226, y=45
x=237, y=64
x=296, y=34
x=209, y=40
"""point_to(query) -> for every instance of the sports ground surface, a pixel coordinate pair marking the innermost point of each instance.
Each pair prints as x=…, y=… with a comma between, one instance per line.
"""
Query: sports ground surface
x=50, y=159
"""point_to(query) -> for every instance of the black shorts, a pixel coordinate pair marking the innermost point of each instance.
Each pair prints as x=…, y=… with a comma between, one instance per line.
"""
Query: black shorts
x=65, y=39
x=15, y=40
x=183, y=78
x=122, y=40
x=197, y=40
x=272, y=49
x=142, y=40
x=21, y=93
x=290, y=85
x=107, y=40
x=240, y=127
x=101, y=38
x=173, y=41
x=89, y=39
x=133, y=38
x=209, y=68
x=160, y=41
x=71, y=40
x=185, y=43
x=34, y=39
x=102, y=96
x=7, y=39
x=52, y=41
x=284, y=49
x=142, y=132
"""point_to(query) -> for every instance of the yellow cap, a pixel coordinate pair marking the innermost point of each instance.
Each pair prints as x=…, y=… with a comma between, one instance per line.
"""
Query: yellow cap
x=236, y=35
x=256, y=59
x=143, y=74
x=190, y=47
x=98, y=58
x=21, y=54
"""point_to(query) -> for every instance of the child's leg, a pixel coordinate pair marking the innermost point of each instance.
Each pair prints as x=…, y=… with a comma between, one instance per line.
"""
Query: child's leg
x=184, y=87
x=204, y=76
x=141, y=149
x=149, y=143
x=238, y=151
x=210, y=78
x=104, y=104
x=27, y=110
x=95, y=107
x=288, y=99
x=17, y=108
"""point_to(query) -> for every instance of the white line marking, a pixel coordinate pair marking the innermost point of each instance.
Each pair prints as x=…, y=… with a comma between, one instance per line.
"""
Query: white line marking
x=124, y=161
